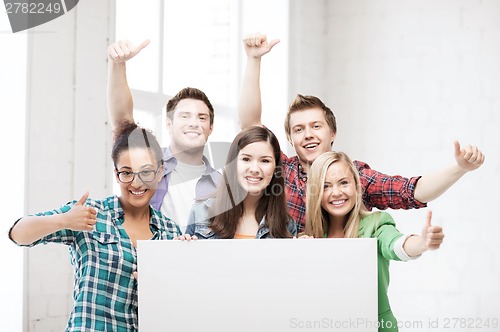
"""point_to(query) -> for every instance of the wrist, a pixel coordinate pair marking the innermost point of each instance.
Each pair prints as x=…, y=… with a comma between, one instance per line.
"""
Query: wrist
x=254, y=59
x=61, y=221
x=414, y=245
x=422, y=244
x=459, y=171
x=116, y=65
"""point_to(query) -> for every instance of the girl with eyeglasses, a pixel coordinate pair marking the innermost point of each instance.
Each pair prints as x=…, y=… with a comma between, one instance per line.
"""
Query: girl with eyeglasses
x=102, y=235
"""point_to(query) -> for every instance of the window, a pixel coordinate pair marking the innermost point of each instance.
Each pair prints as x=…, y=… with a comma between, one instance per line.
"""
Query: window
x=193, y=43
x=197, y=43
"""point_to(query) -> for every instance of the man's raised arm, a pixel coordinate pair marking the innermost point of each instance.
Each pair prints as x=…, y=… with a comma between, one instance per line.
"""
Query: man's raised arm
x=250, y=105
x=396, y=192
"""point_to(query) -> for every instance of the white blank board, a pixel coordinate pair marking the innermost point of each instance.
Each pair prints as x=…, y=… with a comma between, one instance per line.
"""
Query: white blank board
x=258, y=285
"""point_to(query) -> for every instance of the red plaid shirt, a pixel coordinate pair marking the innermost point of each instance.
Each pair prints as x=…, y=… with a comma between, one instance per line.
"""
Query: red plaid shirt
x=380, y=190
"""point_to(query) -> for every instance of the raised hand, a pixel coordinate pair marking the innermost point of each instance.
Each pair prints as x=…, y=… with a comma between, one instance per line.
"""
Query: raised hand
x=469, y=158
x=432, y=236
x=80, y=217
x=256, y=44
x=124, y=50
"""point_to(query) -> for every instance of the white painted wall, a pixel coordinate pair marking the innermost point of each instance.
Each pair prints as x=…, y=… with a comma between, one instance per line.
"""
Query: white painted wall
x=67, y=143
x=12, y=101
x=406, y=78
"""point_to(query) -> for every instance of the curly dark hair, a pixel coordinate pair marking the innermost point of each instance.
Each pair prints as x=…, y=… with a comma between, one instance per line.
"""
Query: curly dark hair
x=129, y=135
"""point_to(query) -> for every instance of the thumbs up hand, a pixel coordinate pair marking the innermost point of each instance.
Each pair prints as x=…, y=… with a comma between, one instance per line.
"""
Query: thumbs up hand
x=432, y=236
x=124, y=50
x=469, y=158
x=256, y=45
x=80, y=217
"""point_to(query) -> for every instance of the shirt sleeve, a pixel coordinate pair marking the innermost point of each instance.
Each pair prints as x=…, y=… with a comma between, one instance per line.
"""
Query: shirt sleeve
x=384, y=191
x=64, y=236
x=172, y=229
x=190, y=225
x=284, y=157
x=200, y=219
x=400, y=251
x=292, y=227
x=387, y=237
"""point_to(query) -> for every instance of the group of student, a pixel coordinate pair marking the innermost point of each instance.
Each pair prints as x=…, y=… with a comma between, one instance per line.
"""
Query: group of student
x=174, y=193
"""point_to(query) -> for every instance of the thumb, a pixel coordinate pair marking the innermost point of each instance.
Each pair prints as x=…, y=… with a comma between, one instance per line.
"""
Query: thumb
x=457, y=148
x=142, y=45
x=273, y=42
x=82, y=200
x=428, y=221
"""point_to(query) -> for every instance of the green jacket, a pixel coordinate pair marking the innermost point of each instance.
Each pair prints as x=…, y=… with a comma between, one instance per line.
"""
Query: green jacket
x=382, y=226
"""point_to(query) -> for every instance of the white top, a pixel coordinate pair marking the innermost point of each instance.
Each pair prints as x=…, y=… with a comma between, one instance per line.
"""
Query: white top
x=181, y=192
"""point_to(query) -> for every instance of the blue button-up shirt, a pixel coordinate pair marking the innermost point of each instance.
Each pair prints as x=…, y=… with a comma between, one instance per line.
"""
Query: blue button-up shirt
x=205, y=186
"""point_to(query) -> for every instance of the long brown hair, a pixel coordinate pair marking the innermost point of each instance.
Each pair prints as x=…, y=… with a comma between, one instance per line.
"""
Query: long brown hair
x=317, y=219
x=228, y=207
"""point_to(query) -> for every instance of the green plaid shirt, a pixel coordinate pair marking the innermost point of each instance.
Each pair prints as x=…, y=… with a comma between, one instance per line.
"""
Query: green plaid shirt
x=105, y=291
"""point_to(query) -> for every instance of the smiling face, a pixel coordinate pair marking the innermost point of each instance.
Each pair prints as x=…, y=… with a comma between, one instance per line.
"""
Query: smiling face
x=190, y=127
x=310, y=135
x=339, y=192
x=137, y=193
x=255, y=167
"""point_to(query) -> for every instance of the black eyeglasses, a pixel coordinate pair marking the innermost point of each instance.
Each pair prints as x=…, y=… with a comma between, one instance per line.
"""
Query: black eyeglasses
x=146, y=175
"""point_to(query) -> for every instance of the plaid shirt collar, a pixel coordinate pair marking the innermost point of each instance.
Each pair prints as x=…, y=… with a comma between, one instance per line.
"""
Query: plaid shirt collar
x=117, y=213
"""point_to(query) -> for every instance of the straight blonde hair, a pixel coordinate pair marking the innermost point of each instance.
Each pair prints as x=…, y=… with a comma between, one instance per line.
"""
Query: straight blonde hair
x=317, y=219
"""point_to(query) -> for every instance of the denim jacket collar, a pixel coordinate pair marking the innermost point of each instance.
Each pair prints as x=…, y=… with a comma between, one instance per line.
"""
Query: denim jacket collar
x=207, y=182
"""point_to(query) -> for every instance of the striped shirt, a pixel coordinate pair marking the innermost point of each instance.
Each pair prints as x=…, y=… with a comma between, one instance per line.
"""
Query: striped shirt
x=105, y=291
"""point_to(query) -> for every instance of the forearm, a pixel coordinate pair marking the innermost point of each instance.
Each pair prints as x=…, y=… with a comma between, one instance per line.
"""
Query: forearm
x=414, y=246
x=120, y=101
x=250, y=105
x=433, y=185
x=386, y=191
x=30, y=229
